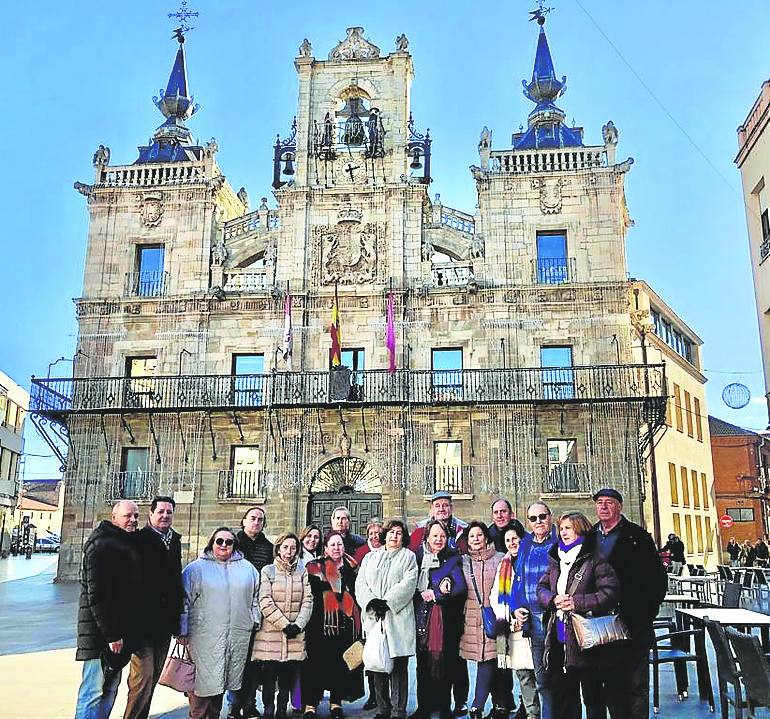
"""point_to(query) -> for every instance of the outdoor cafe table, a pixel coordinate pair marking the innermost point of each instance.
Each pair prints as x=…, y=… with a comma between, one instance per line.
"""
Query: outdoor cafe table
x=701, y=586
x=740, y=619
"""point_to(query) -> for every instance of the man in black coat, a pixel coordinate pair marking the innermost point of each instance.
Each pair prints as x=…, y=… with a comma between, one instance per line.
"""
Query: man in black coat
x=631, y=552
x=340, y=522
x=109, y=609
x=160, y=552
x=502, y=521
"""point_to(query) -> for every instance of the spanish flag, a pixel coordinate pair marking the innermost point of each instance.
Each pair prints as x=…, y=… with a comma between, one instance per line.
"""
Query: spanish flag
x=334, y=331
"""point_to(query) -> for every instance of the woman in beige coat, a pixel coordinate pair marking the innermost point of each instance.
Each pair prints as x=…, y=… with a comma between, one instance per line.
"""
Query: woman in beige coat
x=286, y=603
x=480, y=568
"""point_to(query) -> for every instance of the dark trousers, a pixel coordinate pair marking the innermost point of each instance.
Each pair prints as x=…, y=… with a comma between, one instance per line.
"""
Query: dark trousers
x=144, y=671
x=205, y=707
x=487, y=682
x=627, y=688
x=458, y=673
x=392, y=690
x=433, y=693
x=283, y=674
x=246, y=696
x=563, y=686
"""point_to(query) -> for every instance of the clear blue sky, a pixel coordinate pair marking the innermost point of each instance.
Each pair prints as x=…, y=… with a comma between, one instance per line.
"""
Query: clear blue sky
x=75, y=75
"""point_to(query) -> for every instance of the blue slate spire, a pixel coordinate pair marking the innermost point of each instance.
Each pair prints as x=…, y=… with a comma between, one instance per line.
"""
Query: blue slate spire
x=546, y=126
x=172, y=141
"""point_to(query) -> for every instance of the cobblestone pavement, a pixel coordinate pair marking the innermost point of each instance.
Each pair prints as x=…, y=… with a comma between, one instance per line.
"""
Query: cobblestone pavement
x=40, y=677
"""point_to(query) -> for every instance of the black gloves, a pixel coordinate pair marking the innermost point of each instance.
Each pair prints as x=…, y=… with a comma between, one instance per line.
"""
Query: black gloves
x=379, y=607
x=502, y=628
x=291, y=630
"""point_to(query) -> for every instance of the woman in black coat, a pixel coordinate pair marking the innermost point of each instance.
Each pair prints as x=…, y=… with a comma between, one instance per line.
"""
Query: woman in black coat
x=578, y=580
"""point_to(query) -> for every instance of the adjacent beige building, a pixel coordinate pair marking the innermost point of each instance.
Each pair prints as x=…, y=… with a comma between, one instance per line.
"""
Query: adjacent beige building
x=14, y=403
x=680, y=496
x=753, y=160
x=204, y=358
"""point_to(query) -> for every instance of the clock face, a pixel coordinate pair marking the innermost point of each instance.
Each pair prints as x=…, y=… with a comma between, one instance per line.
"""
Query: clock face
x=350, y=169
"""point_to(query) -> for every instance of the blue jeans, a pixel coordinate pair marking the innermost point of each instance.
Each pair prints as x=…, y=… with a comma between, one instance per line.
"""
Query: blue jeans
x=537, y=637
x=98, y=689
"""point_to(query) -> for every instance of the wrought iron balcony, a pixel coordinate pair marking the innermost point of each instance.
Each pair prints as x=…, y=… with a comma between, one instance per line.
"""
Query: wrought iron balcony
x=139, y=484
x=566, y=477
x=58, y=397
x=241, y=484
x=146, y=284
x=457, y=480
x=553, y=270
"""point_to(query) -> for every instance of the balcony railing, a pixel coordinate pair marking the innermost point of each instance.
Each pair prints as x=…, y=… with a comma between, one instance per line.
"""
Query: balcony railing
x=457, y=480
x=146, y=284
x=241, y=484
x=566, y=477
x=189, y=393
x=137, y=484
x=246, y=280
x=764, y=249
x=550, y=160
x=553, y=270
x=458, y=220
x=256, y=221
x=451, y=274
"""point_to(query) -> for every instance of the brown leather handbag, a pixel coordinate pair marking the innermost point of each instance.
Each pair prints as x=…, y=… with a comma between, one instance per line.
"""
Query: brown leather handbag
x=179, y=670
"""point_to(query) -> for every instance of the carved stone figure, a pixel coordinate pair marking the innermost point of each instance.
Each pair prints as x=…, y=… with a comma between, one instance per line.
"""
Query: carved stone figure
x=345, y=445
x=243, y=196
x=151, y=209
x=305, y=49
x=485, y=147
x=263, y=204
x=219, y=253
x=427, y=250
x=354, y=47
x=211, y=147
x=82, y=188
x=550, y=194
x=271, y=252
x=402, y=43
x=610, y=133
x=477, y=247
x=101, y=156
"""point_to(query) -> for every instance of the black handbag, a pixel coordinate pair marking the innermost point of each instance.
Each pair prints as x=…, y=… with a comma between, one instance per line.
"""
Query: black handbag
x=488, y=618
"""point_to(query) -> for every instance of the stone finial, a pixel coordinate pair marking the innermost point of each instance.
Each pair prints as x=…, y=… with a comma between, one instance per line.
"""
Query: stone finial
x=402, y=43
x=354, y=47
x=610, y=135
x=305, y=49
x=263, y=203
x=485, y=147
x=101, y=156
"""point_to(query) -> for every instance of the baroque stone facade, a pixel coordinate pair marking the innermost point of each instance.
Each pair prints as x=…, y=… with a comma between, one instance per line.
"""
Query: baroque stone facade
x=515, y=374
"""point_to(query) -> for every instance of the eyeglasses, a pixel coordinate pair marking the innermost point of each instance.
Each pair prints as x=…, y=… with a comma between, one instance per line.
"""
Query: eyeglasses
x=539, y=517
x=219, y=541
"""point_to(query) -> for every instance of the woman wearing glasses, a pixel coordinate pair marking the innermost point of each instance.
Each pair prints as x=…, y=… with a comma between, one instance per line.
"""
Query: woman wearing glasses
x=221, y=608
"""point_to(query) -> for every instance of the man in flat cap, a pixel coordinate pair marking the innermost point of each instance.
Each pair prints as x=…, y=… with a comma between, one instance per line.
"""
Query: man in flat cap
x=631, y=552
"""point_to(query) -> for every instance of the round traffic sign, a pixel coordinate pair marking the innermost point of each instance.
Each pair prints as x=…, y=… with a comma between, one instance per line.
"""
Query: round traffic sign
x=726, y=521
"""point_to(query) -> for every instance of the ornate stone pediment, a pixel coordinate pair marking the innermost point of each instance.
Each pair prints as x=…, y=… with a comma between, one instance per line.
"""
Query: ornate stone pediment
x=354, y=47
x=349, y=253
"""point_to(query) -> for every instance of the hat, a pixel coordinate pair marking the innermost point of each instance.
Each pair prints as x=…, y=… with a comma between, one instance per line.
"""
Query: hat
x=441, y=494
x=608, y=492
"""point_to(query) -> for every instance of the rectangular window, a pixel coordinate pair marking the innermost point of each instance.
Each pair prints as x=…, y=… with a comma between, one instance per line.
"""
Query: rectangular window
x=685, y=486
x=135, y=473
x=688, y=533
x=672, y=479
x=248, y=379
x=11, y=414
x=246, y=473
x=140, y=382
x=698, y=419
x=709, y=538
x=688, y=412
x=695, y=489
x=148, y=280
x=564, y=473
x=447, y=374
x=699, y=533
x=677, y=525
x=678, y=408
x=559, y=378
x=354, y=359
x=552, y=261
x=447, y=467
x=741, y=514
x=704, y=490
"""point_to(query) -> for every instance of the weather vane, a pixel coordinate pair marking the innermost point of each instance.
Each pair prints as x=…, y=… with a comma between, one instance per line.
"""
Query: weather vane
x=540, y=13
x=183, y=15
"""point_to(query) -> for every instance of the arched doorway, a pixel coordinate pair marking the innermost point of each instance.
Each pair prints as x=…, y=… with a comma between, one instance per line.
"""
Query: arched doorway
x=349, y=482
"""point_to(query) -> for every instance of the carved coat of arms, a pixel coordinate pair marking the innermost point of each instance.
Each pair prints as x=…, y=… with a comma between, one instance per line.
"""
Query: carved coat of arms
x=151, y=209
x=550, y=194
x=348, y=253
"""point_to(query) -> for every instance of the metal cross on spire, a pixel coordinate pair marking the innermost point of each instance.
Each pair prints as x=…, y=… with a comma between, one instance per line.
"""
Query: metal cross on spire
x=183, y=15
x=540, y=12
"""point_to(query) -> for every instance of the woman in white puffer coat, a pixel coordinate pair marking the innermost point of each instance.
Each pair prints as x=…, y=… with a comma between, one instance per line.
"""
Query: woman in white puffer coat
x=221, y=608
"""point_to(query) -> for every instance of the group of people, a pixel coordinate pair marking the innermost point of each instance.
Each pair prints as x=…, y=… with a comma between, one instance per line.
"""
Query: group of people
x=748, y=553
x=286, y=616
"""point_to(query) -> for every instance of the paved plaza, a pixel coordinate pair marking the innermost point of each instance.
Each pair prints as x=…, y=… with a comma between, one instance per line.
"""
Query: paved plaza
x=40, y=676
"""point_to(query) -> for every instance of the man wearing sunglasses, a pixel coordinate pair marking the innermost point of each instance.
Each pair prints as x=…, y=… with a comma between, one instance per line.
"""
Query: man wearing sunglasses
x=532, y=564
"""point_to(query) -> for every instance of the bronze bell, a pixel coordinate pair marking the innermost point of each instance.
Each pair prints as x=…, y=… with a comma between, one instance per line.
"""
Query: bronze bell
x=288, y=168
x=415, y=164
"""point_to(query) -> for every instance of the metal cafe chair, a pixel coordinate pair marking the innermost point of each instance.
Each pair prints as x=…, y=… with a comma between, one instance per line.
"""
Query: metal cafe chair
x=755, y=672
x=731, y=595
x=728, y=674
x=725, y=573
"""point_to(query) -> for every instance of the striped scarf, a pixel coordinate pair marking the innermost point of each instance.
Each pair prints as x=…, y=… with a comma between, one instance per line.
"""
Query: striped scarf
x=505, y=582
x=336, y=600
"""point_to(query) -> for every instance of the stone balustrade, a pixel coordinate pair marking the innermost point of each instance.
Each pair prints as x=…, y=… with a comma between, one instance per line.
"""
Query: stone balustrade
x=177, y=173
x=555, y=160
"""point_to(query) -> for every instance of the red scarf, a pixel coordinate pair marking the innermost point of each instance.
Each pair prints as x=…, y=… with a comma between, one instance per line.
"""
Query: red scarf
x=335, y=600
x=436, y=639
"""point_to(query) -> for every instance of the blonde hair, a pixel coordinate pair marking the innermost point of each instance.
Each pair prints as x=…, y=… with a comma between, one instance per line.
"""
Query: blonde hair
x=580, y=523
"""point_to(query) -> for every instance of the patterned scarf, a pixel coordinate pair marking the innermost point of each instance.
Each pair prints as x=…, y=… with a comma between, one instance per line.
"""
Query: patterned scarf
x=505, y=582
x=335, y=599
